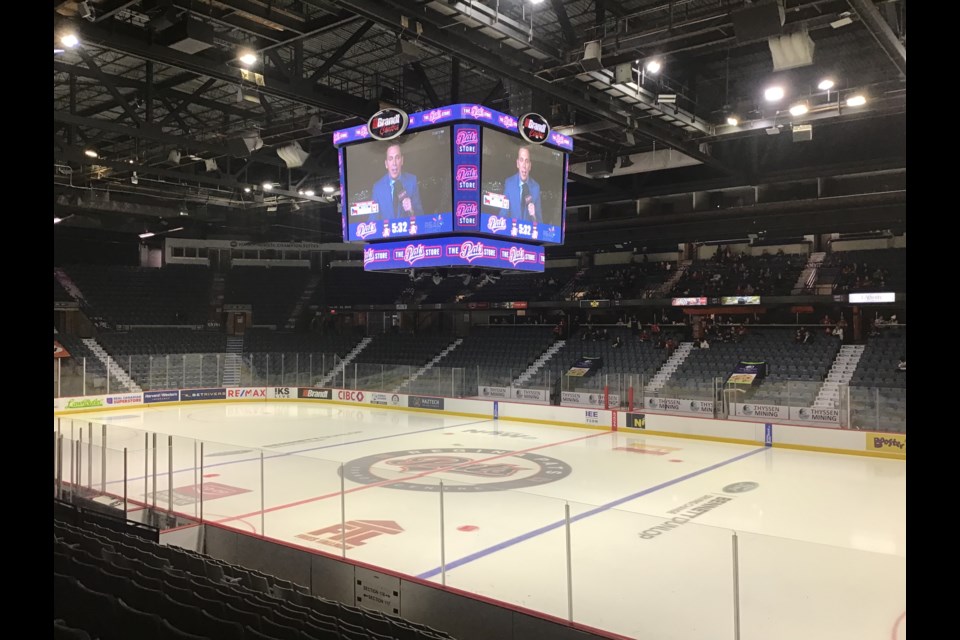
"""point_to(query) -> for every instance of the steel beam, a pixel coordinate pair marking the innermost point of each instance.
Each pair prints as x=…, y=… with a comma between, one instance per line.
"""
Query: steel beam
x=341, y=50
x=130, y=41
x=882, y=33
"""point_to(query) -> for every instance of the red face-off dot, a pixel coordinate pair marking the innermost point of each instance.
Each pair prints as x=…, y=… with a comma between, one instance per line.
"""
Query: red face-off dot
x=675, y=460
x=211, y=475
x=468, y=527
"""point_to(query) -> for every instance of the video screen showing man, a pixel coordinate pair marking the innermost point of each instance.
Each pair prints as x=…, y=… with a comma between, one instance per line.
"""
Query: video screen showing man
x=396, y=193
x=522, y=182
x=522, y=191
x=401, y=178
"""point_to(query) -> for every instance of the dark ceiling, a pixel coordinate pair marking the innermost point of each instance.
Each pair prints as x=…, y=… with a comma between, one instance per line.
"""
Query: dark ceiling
x=151, y=79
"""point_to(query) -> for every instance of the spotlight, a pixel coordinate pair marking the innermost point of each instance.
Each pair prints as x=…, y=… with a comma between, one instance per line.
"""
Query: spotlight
x=57, y=220
x=857, y=100
x=69, y=40
x=329, y=188
x=772, y=94
x=148, y=234
x=825, y=85
x=90, y=153
x=732, y=121
x=798, y=109
x=246, y=189
x=653, y=66
x=310, y=192
x=248, y=59
x=267, y=186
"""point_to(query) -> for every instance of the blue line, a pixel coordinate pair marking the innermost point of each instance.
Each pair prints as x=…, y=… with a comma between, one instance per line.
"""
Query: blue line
x=586, y=514
x=326, y=446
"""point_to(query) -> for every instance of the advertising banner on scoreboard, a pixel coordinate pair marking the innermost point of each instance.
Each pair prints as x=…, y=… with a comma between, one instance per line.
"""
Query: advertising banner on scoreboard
x=453, y=252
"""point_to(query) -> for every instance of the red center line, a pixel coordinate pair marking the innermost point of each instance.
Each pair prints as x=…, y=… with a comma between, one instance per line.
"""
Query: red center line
x=383, y=483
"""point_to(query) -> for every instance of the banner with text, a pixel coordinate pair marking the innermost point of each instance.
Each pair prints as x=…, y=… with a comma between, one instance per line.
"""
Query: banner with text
x=588, y=399
x=749, y=411
x=536, y=396
x=816, y=415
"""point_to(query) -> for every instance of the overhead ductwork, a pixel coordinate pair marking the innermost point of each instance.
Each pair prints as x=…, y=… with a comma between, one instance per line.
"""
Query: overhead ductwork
x=293, y=155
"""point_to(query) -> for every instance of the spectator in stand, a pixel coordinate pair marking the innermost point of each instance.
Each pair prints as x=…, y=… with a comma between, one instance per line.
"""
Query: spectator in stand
x=798, y=336
x=604, y=335
x=634, y=326
x=704, y=344
x=807, y=336
x=616, y=343
x=838, y=332
x=670, y=345
x=902, y=365
x=827, y=324
x=644, y=336
x=655, y=329
x=661, y=343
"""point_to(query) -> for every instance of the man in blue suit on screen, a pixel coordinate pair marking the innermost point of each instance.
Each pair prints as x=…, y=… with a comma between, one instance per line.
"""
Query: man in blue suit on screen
x=523, y=192
x=396, y=193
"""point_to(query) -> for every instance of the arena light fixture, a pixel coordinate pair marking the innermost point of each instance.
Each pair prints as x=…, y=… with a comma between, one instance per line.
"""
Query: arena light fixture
x=826, y=84
x=69, y=40
x=857, y=100
x=91, y=153
x=773, y=94
x=732, y=121
x=798, y=109
x=267, y=186
x=248, y=58
x=653, y=66
x=329, y=188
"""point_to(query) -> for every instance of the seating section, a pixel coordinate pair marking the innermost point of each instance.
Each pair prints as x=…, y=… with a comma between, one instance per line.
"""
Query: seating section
x=865, y=271
x=632, y=357
x=168, y=358
x=112, y=585
x=767, y=275
x=403, y=349
x=170, y=296
x=121, y=344
x=795, y=371
x=83, y=367
x=272, y=292
x=282, y=358
x=353, y=285
x=524, y=286
x=609, y=282
x=878, y=392
x=495, y=356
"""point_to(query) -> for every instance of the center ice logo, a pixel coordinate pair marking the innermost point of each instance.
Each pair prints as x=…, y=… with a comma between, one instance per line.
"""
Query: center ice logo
x=476, y=470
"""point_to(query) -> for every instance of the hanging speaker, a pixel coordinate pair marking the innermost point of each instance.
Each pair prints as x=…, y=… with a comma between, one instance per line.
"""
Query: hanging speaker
x=757, y=21
x=623, y=73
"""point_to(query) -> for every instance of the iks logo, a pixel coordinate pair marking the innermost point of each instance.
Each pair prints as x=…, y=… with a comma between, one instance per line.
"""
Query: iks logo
x=469, y=470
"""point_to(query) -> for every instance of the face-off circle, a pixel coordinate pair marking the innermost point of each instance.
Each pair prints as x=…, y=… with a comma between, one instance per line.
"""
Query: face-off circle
x=469, y=470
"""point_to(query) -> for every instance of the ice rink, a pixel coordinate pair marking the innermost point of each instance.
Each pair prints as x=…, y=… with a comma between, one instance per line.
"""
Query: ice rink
x=661, y=529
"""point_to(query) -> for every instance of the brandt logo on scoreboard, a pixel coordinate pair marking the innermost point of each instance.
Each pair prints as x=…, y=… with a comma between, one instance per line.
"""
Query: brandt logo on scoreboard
x=472, y=470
